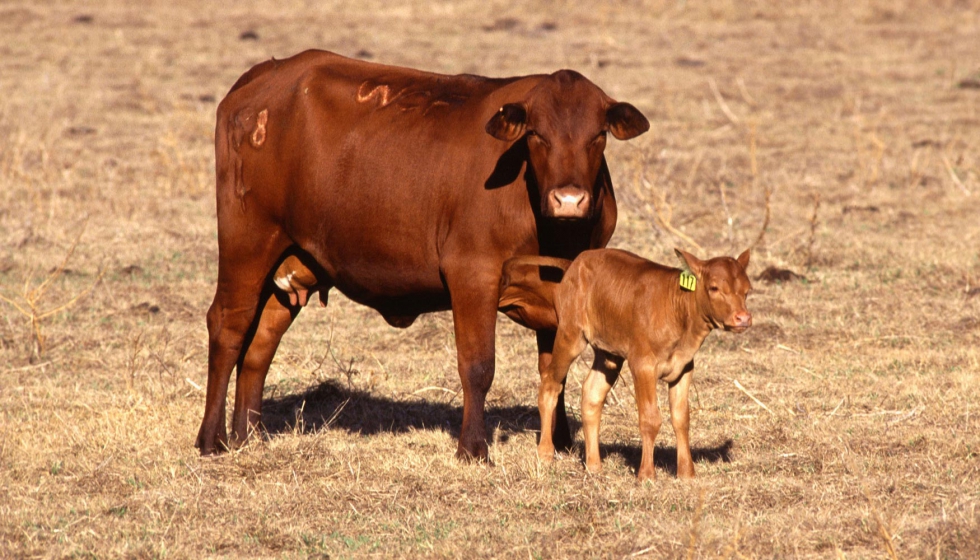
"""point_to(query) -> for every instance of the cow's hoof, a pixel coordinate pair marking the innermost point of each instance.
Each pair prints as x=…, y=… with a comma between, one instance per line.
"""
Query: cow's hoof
x=213, y=447
x=478, y=455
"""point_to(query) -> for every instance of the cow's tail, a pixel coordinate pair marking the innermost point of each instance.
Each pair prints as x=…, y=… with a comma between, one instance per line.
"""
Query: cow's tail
x=527, y=290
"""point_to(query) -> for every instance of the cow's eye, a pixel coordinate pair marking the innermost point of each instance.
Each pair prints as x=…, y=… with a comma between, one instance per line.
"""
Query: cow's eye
x=712, y=288
x=531, y=133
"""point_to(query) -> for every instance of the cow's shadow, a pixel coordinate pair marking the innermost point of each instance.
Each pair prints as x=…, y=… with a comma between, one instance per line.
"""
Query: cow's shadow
x=332, y=404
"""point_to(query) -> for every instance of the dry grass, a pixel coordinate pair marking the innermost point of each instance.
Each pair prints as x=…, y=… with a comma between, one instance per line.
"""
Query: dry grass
x=868, y=367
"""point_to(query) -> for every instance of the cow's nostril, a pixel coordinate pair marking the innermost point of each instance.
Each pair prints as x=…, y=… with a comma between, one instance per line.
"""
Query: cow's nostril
x=572, y=199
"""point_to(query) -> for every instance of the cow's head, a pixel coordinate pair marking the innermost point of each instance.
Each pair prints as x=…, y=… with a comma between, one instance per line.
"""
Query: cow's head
x=565, y=119
x=722, y=286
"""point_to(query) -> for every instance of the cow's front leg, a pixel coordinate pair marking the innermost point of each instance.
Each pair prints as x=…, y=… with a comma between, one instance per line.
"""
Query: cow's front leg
x=562, y=436
x=474, y=296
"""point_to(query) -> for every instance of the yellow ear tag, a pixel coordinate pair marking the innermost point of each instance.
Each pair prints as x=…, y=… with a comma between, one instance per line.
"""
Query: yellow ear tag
x=688, y=280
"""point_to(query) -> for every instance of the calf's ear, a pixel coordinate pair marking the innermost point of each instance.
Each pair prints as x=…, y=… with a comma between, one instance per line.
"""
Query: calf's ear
x=508, y=123
x=690, y=262
x=625, y=121
x=743, y=260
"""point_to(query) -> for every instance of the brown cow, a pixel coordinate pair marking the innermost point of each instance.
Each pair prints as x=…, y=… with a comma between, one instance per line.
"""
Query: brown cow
x=626, y=307
x=407, y=191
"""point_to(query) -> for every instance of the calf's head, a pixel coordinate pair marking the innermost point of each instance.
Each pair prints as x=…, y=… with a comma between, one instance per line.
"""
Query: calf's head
x=722, y=286
x=565, y=119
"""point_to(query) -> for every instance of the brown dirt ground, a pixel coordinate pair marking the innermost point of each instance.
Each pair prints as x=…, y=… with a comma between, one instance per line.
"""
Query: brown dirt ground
x=859, y=118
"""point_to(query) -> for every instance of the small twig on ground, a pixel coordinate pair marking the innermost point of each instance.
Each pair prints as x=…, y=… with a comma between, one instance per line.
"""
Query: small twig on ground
x=744, y=92
x=813, y=231
x=694, y=169
x=785, y=348
x=954, y=177
x=883, y=531
x=751, y=396
x=837, y=408
x=721, y=103
x=910, y=414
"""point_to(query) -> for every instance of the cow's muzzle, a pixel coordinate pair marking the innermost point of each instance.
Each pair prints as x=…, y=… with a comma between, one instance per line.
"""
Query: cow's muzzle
x=569, y=202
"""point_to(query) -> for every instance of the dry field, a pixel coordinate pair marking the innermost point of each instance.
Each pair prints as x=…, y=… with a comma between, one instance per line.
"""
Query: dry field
x=841, y=140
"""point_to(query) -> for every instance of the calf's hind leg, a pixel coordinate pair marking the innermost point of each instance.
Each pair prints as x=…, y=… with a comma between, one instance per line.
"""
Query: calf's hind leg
x=569, y=343
x=680, y=417
x=645, y=381
x=562, y=436
x=605, y=371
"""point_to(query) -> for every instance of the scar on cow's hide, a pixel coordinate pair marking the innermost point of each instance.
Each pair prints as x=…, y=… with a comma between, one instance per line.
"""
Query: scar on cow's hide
x=258, y=135
x=368, y=92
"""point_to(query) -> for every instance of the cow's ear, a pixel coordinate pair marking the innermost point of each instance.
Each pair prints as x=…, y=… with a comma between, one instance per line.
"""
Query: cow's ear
x=509, y=122
x=743, y=260
x=625, y=121
x=690, y=262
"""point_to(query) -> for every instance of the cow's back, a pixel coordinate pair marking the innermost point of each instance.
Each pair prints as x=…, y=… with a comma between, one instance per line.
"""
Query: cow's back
x=355, y=158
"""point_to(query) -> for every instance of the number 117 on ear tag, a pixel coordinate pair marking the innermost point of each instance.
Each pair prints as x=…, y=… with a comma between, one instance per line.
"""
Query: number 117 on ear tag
x=688, y=280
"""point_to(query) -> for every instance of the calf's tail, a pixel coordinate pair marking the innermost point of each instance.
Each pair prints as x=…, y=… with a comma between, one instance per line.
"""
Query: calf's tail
x=527, y=290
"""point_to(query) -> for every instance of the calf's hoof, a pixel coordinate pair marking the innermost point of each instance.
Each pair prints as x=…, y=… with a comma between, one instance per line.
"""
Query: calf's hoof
x=685, y=474
x=593, y=468
x=546, y=454
x=646, y=475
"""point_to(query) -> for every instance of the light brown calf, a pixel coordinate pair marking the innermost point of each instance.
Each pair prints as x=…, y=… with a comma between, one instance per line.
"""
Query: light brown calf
x=627, y=307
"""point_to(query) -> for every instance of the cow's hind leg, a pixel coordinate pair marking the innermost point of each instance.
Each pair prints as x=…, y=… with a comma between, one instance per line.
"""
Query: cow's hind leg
x=286, y=292
x=253, y=366
x=243, y=270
